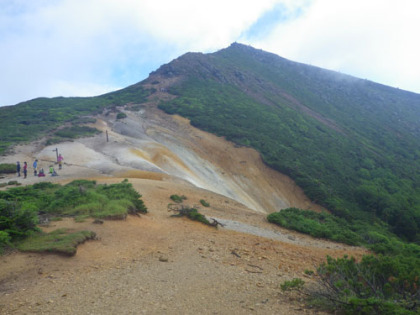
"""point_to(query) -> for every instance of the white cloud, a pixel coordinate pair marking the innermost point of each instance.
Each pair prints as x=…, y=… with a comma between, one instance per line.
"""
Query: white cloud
x=107, y=42
x=87, y=47
x=369, y=39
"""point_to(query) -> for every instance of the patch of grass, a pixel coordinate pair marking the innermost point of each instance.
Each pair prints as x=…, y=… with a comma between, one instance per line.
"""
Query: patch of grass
x=13, y=183
x=114, y=210
x=20, y=207
x=60, y=241
x=121, y=115
x=84, y=120
x=204, y=203
x=7, y=168
x=81, y=218
x=178, y=199
x=296, y=284
x=321, y=225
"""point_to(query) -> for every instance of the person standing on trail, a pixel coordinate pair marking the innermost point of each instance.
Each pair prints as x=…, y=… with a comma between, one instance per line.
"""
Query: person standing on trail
x=18, y=168
x=25, y=169
x=60, y=161
x=35, y=165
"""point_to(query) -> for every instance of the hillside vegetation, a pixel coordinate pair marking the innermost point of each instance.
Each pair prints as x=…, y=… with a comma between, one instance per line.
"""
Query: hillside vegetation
x=33, y=119
x=351, y=144
x=21, y=208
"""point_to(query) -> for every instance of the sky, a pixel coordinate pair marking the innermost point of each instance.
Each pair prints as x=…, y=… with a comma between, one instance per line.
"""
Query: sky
x=54, y=48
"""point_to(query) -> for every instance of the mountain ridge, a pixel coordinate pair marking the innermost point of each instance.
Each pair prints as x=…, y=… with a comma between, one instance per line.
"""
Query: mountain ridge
x=351, y=144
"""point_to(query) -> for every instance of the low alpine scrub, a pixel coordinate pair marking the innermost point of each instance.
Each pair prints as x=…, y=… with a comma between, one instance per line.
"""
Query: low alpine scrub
x=321, y=225
x=204, y=203
x=7, y=168
x=60, y=241
x=178, y=199
x=20, y=207
x=375, y=285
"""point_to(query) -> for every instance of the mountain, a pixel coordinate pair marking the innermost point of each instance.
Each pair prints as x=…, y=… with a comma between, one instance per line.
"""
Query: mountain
x=351, y=144
x=243, y=117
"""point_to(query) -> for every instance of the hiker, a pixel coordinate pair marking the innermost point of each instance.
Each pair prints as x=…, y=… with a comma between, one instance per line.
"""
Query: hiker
x=54, y=173
x=25, y=169
x=51, y=169
x=41, y=173
x=60, y=161
x=18, y=168
x=35, y=166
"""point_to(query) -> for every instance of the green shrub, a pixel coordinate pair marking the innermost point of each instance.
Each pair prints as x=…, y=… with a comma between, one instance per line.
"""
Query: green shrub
x=178, y=199
x=121, y=115
x=76, y=132
x=17, y=219
x=20, y=206
x=204, y=203
x=7, y=168
x=191, y=213
x=5, y=240
x=294, y=284
x=196, y=216
x=321, y=225
x=84, y=120
x=375, y=285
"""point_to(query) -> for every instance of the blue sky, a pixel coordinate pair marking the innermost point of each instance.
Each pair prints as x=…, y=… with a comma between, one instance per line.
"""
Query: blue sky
x=89, y=47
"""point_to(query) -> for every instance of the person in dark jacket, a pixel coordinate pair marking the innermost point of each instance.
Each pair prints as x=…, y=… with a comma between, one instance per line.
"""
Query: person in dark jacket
x=18, y=168
x=25, y=169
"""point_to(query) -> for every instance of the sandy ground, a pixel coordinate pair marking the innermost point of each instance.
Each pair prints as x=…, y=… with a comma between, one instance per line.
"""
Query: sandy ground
x=157, y=264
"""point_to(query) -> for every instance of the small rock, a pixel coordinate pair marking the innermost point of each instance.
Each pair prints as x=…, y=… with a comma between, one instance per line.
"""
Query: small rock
x=163, y=259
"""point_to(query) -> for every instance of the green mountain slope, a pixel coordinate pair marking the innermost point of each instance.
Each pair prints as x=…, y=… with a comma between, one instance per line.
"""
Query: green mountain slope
x=33, y=119
x=351, y=144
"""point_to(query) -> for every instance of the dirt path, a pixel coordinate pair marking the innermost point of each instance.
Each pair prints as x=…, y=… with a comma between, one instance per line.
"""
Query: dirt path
x=157, y=264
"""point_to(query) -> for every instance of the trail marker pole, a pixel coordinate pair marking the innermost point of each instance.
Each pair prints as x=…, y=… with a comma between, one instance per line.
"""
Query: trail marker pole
x=56, y=152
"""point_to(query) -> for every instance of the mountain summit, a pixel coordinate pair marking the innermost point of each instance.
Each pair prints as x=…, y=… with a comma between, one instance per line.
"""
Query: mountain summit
x=351, y=144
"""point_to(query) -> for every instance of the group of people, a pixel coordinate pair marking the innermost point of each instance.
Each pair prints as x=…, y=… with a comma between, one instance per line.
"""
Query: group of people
x=41, y=172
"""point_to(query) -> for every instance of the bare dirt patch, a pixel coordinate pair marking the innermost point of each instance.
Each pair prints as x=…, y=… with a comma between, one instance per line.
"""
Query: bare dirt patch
x=156, y=264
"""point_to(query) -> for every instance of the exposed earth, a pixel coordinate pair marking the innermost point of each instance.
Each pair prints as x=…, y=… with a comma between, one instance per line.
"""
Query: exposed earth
x=157, y=264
